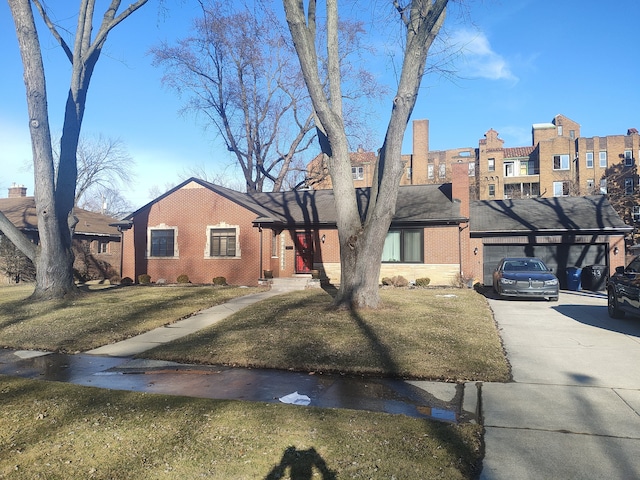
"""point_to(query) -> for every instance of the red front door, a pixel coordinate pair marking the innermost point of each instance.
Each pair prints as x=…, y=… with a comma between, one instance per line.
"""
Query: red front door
x=304, y=252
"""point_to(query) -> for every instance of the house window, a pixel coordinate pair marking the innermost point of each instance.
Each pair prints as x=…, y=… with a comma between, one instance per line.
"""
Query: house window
x=357, y=173
x=559, y=130
x=628, y=186
x=591, y=184
x=102, y=247
x=491, y=164
x=274, y=244
x=561, y=162
x=408, y=173
x=163, y=242
x=442, y=170
x=223, y=242
x=628, y=158
x=603, y=159
x=430, y=171
x=603, y=186
x=560, y=189
x=572, y=134
x=589, y=159
x=492, y=190
x=403, y=246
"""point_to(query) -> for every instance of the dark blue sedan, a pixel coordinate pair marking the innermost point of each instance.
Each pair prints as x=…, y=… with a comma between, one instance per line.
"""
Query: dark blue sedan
x=526, y=277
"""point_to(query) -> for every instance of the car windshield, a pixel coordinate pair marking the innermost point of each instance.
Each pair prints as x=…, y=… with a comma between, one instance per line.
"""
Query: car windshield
x=524, y=266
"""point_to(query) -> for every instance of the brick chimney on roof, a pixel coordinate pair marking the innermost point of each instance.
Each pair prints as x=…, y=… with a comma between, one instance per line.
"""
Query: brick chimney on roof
x=16, y=191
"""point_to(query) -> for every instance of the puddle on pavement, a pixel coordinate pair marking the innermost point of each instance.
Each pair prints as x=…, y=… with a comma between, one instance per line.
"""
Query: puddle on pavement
x=263, y=385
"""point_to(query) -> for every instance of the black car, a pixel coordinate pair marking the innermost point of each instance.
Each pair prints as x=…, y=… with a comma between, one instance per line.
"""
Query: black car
x=525, y=277
x=623, y=290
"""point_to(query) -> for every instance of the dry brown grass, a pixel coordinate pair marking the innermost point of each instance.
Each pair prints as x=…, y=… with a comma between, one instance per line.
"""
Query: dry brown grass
x=444, y=334
x=62, y=431
x=100, y=315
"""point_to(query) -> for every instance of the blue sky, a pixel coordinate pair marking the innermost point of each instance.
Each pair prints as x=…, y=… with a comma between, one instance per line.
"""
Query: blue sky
x=523, y=62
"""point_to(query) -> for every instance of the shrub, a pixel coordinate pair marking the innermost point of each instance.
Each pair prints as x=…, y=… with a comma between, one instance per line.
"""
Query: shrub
x=423, y=282
x=115, y=280
x=183, y=278
x=144, y=279
x=126, y=281
x=396, y=281
x=219, y=281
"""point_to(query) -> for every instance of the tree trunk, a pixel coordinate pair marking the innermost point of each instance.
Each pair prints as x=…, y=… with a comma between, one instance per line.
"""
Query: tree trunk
x=362, y=240
x=53, y=256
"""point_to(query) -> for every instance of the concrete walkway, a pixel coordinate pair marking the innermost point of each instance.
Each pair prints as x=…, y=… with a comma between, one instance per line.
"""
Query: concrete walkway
x=573, y=411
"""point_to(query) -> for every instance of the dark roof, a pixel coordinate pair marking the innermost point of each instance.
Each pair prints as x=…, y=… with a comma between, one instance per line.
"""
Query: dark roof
x=545, y=215
x=416, y=204
x=21, y=211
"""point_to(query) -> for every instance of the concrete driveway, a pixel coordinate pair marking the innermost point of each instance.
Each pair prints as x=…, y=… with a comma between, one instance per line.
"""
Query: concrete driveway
x=573, y=409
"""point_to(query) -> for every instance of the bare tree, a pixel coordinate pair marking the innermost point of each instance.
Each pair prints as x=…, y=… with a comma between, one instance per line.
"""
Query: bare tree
x=362, y=240
x=55, y=188
x=238, y=72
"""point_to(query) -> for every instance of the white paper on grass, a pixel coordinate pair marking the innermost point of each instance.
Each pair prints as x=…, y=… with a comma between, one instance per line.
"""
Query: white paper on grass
x=295, y=399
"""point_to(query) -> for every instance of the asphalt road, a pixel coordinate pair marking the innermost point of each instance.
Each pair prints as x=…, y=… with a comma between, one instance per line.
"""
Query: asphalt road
x=573, y=410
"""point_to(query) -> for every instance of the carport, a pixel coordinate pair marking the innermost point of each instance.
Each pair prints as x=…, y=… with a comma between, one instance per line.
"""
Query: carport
x=563, y=231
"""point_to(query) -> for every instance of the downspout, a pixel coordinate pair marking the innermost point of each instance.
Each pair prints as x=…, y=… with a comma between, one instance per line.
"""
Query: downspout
x=261, y=235
x=460, y=229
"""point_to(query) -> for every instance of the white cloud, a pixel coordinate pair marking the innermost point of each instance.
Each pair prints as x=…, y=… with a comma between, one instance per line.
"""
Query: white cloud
x=481, y=61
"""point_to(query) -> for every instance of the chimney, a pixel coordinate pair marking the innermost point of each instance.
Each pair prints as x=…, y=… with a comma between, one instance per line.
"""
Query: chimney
x=16, y=191
x=460, y=185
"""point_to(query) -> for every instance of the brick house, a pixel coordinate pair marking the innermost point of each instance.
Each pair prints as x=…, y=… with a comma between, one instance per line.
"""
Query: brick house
x=204, y=231
x=96, y=242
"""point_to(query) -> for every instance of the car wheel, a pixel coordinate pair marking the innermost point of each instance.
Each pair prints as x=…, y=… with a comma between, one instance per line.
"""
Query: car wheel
x=612, y=305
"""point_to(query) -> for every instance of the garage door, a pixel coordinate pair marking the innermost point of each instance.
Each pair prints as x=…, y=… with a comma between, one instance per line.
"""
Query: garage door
x=558, y=257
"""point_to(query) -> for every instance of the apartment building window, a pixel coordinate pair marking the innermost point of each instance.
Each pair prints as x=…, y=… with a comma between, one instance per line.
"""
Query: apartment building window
x=442, y=170
x=357, y=173
x=472, y=169
x=636, y=213
x=589, y=159
x=430, y=171
x=530, y=190
x=603, y=186
x=559, y=130
x=603, y=159
x=561, y=162
x=628, y=158
x=572, y=134
x=561, y=189
x=492, y=190
x=408, y=173
x=508, y=169
x=403, y=246
x=223, y=242
x=162, y=241
x=491, y=164
x=628, y=186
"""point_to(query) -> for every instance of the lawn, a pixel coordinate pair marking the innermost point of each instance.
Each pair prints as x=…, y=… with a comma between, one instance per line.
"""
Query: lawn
x=102, y=315
x=438, y=334
x=56, y=430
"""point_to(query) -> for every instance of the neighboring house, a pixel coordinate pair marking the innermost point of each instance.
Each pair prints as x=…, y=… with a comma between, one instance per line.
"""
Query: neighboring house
x=564, y=232
x=205, y=231
x=96, y=243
